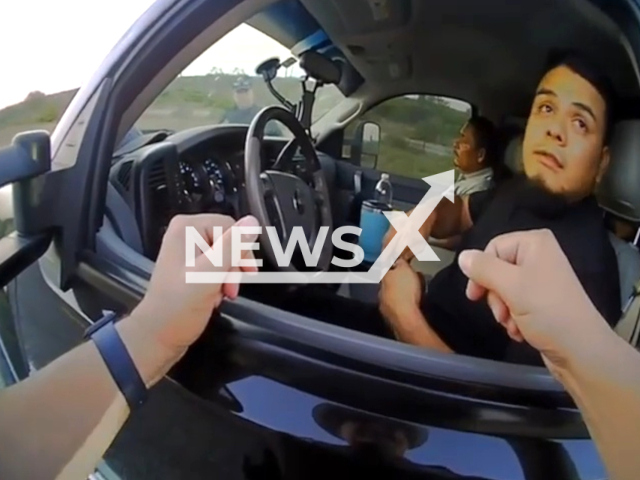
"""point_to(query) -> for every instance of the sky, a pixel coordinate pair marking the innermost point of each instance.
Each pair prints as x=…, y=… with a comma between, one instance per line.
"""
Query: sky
x=55, y=45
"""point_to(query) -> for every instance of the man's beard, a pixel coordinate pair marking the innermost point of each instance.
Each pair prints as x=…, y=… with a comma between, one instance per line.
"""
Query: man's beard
x=535, y=196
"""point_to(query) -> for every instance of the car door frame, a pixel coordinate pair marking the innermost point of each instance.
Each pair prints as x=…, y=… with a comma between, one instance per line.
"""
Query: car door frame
x=56, y=209
x=99, y=115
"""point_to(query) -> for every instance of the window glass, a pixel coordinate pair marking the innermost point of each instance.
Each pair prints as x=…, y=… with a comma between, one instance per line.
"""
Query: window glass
x=36, y=112
x=221, y=87
x=416, y=135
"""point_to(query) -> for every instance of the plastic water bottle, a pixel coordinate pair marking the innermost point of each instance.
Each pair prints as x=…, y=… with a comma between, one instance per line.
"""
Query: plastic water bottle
x=384, y=191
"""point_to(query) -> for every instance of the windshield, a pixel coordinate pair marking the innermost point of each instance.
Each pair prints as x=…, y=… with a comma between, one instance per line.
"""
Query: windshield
x=221, y=87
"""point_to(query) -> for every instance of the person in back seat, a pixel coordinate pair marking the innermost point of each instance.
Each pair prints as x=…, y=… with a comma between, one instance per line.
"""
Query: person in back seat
x=565, y=153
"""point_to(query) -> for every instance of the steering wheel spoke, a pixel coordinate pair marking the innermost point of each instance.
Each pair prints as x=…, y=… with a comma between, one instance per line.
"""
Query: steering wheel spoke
x=267, y=184
x=284, y=200
x=274, y=212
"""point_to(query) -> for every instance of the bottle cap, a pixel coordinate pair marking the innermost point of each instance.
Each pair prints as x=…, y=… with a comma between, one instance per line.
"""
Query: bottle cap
x=384, y=176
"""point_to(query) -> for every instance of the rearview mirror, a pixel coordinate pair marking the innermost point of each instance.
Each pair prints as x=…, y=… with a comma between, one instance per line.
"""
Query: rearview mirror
x=366, y=142
x=321, y=68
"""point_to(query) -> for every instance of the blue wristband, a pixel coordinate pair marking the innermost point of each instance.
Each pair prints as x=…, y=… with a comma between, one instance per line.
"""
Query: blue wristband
x=117, y=359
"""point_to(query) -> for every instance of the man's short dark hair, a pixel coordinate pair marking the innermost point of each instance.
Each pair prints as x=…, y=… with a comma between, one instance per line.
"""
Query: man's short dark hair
x=484, y=132
x=588, y=70
x=485, y=135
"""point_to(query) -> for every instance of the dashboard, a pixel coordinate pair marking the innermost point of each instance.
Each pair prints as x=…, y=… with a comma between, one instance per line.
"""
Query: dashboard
x=198, y=170
x=212, y=180
x=209, y=175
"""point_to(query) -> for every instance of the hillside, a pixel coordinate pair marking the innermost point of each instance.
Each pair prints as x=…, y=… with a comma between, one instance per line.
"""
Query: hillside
x=417, y=132
x=37, y=111
x=200, y=100
x=183, y=99
x=36, y=108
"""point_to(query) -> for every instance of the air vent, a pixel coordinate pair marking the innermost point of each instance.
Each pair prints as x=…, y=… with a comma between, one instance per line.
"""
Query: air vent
x=157, y=177
x=124, y=175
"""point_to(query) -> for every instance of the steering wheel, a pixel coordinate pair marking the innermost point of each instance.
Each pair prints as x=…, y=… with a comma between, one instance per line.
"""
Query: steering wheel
x=283, y=200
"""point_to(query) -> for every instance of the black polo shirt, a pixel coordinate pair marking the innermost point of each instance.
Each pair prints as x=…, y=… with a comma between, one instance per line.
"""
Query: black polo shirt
x=468, y=327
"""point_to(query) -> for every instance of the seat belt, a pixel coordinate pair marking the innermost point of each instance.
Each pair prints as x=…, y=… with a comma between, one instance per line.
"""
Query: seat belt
x=635, y=332
x=630, y=330
x=629, y=326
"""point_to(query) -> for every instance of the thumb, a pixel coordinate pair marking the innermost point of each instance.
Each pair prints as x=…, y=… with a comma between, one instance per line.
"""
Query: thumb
x=226, y=248
x=489, y=272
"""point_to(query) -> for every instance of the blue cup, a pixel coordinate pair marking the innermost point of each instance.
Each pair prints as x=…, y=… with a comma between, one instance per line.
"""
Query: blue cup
x=374, y=225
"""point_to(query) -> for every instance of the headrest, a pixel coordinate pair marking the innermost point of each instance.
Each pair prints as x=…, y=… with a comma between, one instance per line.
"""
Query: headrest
x=513, y=154
x=619, y=189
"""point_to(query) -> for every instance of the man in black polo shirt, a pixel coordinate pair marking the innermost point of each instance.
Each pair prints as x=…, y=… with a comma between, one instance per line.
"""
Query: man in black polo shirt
x=565, y=153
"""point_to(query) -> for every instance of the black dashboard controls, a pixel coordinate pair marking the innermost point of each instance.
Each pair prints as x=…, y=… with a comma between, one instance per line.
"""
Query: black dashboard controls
x=192, y=174
x=176, y=185
x=145, y=188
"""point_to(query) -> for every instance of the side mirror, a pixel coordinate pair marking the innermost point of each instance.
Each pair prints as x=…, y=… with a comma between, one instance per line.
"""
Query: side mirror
x=366, y=142
x=28, y=156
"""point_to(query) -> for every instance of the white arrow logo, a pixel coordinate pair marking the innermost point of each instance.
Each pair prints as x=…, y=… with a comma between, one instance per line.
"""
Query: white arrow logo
x=407, y=235
x=407, y=227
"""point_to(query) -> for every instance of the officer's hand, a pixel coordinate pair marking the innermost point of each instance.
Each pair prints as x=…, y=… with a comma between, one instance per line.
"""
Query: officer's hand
x=534, y=293
x=175, y=312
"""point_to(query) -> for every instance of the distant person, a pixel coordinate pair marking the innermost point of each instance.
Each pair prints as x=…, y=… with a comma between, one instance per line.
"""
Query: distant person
x=478, y=162
x=246, y=109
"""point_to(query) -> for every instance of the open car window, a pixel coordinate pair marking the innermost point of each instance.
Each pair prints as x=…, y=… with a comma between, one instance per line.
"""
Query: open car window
x=416, y=137
x=221, y=87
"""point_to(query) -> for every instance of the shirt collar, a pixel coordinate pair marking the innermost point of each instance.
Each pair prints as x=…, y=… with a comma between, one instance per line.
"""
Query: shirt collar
x=534, y=199
x=478, y=173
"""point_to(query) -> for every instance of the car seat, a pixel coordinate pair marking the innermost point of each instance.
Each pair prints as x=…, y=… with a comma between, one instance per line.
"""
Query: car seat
x=619, y=194
x=513, y=153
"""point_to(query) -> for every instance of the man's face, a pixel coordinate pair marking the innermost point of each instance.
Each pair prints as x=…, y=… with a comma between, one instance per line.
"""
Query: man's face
x=467, y=156
x=243, y=97
x=563, y=143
